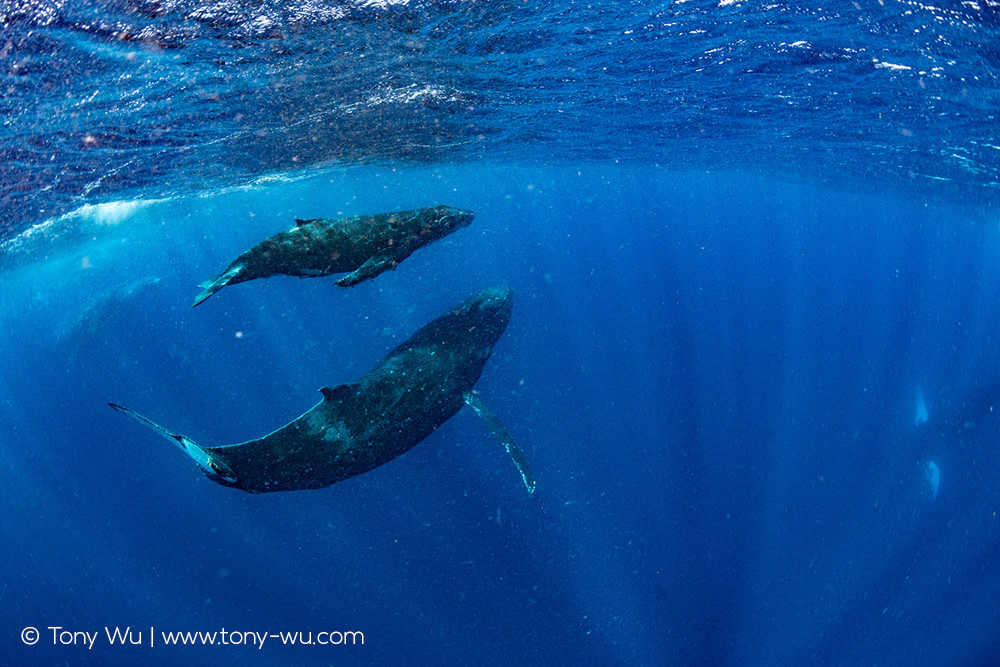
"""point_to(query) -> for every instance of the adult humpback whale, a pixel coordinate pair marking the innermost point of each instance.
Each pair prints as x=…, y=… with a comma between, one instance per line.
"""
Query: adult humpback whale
x=360, y=426
x=366, y=245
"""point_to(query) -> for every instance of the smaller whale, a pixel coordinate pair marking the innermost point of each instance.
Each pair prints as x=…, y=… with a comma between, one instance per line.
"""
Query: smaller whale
x=360, y=426
x=364, y=245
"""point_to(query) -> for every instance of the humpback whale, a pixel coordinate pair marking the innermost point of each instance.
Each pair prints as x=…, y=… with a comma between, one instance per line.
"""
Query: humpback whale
x=956, y=419
x=957, y=425
x=359, y=426
x=365, y=245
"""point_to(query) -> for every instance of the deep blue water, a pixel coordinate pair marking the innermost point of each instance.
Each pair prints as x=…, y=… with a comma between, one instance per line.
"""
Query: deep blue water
x=743, y=239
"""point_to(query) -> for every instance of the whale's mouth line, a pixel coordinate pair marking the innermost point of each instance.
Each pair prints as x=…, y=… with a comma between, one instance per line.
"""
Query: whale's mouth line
x=460, y=218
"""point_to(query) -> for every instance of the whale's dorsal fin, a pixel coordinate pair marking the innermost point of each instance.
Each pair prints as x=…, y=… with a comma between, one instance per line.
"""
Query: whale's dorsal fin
x=339, y=393
x=503, y=435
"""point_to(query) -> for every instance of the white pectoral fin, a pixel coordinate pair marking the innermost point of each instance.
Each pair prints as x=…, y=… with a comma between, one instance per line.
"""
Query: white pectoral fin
x=500, y=433
x=209, y=463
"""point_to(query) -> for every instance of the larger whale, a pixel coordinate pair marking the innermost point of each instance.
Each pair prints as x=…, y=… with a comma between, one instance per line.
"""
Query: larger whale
x=360, y=426
x=365, y=245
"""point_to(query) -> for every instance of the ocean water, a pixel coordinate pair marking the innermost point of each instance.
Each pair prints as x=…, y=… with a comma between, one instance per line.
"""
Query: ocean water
x=753, y=359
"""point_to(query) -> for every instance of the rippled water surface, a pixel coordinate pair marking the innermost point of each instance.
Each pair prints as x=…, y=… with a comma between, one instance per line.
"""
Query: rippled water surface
x=103, y=98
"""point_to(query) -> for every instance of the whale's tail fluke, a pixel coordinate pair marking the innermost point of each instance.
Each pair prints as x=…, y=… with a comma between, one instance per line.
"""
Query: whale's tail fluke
x=211, y=465
x=210, y=287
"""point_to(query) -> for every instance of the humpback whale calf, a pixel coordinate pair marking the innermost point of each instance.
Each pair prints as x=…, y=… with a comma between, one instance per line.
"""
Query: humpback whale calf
x=359, y=426
x=365, y=245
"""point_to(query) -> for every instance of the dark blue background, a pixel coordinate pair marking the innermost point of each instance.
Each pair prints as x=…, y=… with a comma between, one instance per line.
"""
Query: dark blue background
x=712, y=375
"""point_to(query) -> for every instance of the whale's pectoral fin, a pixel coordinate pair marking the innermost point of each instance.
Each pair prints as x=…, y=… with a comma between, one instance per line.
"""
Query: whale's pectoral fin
x=382, y=261
x=210, y=287
x=211, y=465
x=500, y=432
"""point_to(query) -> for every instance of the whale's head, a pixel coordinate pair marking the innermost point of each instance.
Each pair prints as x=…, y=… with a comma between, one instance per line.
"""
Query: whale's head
x=448, y=219
x=484, y=316
x=494, y=304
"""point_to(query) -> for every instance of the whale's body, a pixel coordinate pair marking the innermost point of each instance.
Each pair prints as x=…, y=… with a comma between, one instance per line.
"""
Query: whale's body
x=360, y=426
x=364, y=245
